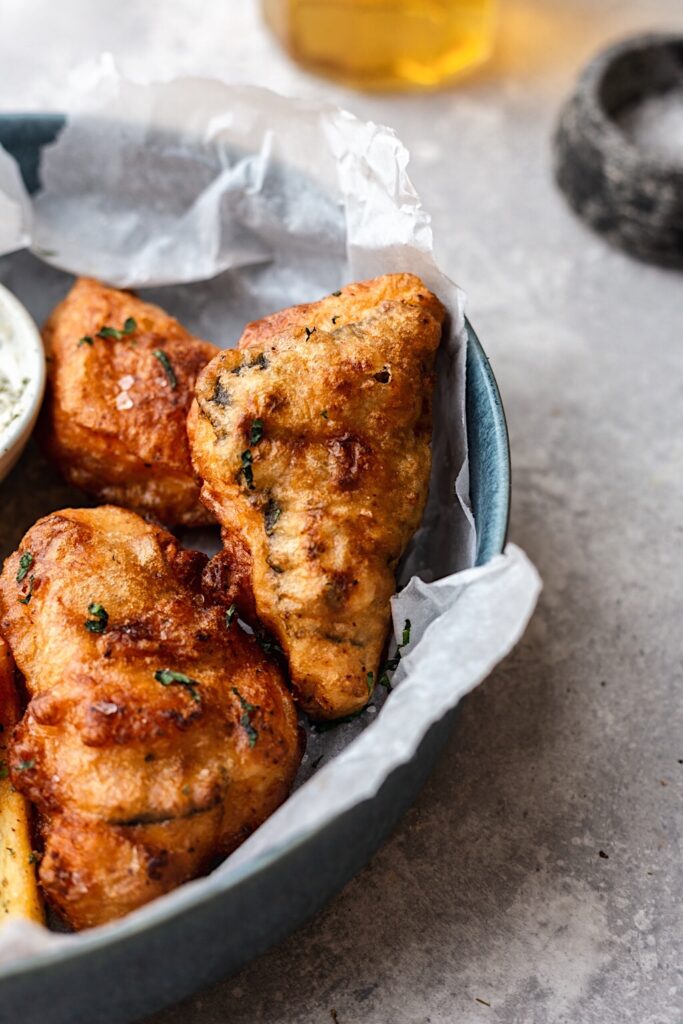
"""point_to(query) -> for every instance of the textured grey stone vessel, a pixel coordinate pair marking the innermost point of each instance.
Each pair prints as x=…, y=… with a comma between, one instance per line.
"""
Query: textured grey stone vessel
x=629, y=194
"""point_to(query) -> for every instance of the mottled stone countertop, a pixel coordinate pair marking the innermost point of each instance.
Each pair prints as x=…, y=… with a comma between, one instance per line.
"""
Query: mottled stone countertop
x=538, y=878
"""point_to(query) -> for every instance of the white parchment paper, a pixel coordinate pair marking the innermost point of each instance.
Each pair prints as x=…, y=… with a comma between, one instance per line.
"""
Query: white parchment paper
x=15, y=207
x=224, y=204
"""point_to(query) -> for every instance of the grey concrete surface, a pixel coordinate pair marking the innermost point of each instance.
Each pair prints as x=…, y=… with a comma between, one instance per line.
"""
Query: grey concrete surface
x=538, y=878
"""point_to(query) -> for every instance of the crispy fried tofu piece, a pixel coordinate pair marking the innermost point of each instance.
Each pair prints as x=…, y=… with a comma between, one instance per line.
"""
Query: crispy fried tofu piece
x=314, y=447
x=121, y=376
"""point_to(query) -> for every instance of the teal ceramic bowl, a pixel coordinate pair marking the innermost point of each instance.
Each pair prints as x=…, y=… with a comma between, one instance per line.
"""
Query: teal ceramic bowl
x=110, y=980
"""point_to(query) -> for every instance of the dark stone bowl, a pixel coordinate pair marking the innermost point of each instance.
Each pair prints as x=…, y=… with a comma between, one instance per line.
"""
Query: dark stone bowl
x=631, y=195
x=116, y=979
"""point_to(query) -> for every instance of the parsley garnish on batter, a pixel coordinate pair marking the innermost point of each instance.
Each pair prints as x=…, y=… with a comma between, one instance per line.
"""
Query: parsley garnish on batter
x=247, y=471
x=25, y=563
x=112, y=332
x=85, y=340
x=25, y=766
x=97, y=623
x=230, y=614
x=167, y=677
x=256, y=432
x=267, y=644
x=245, y=721
x=29, y=595
x=159, y=354
x=391, y=664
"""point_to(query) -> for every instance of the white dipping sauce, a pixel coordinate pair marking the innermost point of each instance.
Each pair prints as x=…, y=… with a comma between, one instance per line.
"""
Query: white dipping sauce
x=13, y=378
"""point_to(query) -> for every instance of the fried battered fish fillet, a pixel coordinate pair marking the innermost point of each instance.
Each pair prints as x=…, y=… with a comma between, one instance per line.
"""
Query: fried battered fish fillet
x=157, y=735
x=314, y=448
x=121, y=376
x=349, y=305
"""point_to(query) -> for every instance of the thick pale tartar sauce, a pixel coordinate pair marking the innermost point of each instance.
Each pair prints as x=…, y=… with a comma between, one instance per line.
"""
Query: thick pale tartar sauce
x=13, y=383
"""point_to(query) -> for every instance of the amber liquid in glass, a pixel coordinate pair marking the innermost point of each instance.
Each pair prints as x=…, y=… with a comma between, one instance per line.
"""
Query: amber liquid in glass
x=385, y=44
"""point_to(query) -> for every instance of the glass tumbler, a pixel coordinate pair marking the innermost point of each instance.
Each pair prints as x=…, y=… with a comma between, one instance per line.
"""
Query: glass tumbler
x=385, y=44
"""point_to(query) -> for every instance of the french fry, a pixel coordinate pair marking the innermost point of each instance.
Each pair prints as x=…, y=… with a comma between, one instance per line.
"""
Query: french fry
x=19, y=895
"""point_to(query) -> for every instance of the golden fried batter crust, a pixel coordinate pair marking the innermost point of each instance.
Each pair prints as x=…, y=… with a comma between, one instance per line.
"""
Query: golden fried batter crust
x=141, y=783
x=323, y=504
x=349, y=305
x=115, y=421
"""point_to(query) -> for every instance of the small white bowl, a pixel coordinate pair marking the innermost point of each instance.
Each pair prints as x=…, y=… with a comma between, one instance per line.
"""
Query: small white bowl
x=22, y=369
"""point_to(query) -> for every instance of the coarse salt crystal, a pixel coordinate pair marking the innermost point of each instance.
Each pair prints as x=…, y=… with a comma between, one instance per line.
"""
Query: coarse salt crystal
x=123, y=401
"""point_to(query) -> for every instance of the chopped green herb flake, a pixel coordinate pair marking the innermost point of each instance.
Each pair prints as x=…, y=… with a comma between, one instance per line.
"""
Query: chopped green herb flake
x=391, y=664
x=26, y=766
x=267, y=644
x=371, y=681
x=34, y=857
x=271, y=514
x=4, y=770
x=159, y=354
x=247, y=471
x=256, y=432
x=167, y=677
x=221, y=395
x=245, y=720
x=230, y=614
x=97, y=623
x=85, y=340
x=27, y=597
x=25, y=563
x=336, y=294
x=112, y=332
x=260, y=363
x=324, y=414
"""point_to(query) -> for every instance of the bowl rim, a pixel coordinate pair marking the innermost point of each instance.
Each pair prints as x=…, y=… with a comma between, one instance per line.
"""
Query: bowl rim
x=28, y=337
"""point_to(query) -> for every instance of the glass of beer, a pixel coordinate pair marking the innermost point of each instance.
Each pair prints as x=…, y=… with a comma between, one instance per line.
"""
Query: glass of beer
x=385, y=44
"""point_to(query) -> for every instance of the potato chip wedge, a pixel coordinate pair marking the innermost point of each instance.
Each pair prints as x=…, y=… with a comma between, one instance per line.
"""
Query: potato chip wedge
x=19, y=896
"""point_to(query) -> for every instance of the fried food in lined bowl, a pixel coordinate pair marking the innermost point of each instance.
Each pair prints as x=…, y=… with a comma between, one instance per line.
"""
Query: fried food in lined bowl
x=157, y=734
